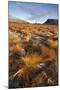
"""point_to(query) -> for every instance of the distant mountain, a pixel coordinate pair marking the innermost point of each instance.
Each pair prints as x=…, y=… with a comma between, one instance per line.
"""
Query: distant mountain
x=52, y=22
x=11, y=19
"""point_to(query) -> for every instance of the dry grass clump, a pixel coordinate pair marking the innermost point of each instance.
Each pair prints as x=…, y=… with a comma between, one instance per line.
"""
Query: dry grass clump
x=32, y=55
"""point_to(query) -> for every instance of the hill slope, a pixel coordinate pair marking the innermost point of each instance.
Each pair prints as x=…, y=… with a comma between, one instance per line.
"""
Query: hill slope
x=51, y=21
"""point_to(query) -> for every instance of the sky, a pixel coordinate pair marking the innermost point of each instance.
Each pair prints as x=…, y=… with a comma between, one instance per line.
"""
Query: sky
x=32, y=12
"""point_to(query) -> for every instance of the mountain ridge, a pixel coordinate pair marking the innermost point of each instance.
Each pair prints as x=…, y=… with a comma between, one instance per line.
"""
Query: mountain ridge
x=52, y=21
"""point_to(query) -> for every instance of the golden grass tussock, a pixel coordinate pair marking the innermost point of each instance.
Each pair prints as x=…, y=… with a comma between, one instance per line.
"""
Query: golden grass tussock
x=33, y=54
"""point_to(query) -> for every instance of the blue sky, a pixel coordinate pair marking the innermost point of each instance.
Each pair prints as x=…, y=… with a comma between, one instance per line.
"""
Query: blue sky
x=32, y=12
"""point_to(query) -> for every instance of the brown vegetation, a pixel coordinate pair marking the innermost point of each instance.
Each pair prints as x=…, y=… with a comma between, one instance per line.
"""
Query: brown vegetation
x=33, y=53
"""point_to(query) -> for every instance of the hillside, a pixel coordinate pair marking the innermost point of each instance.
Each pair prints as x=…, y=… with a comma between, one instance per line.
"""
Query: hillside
x=11, y=19
x=52, y=22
